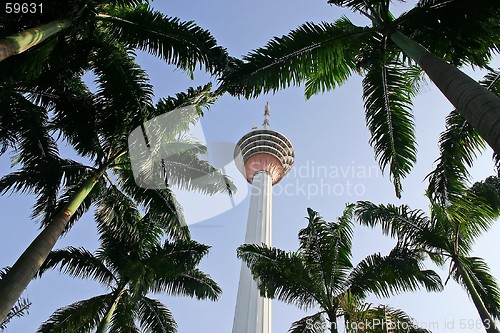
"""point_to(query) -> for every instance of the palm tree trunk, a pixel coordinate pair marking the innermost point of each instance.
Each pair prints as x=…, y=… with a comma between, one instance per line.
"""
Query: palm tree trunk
x=22, y=272
x=22, y=41
x=103, y=325
x=479, y=106
x=332, y=317
x=486, y=318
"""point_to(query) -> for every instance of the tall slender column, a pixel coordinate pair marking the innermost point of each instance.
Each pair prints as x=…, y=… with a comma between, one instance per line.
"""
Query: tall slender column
x=264, y=157
x=253, y=312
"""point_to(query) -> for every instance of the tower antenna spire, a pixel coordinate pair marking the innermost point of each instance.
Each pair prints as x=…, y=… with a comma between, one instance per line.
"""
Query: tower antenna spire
x=266, y=116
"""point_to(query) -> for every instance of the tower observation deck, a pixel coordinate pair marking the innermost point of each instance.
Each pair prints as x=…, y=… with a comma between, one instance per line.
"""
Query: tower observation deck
x=264, y=157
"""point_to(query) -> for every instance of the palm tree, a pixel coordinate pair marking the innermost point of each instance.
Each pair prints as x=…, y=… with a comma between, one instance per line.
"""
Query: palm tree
x=321, y=274
x=447, y=235
x=66, y=189
x=130, y=22
x=323, y=56
x=131, y=263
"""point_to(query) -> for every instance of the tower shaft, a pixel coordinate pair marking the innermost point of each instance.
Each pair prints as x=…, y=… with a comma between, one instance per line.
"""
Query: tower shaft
x=253, y=312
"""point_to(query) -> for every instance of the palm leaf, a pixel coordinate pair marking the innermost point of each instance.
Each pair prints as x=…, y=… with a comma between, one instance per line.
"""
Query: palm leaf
x=387, y=93
x=309, y=324
x=78, y=317
x=160, y=204
x=399, y=222
x=78, y=262
x=123, y=320
x=154, y=317
x=392, y=320
x=282, y=275
x=322, y=55
x=193, y=283
x=326, y=249
x=484, y=282
x=183, y=44
x=459, y=145
x=401, y=270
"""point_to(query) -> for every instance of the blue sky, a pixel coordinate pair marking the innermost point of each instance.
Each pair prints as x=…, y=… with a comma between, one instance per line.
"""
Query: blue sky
x=328, y=133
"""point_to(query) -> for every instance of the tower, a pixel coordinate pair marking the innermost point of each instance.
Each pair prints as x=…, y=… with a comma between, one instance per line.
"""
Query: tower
x=264, y=157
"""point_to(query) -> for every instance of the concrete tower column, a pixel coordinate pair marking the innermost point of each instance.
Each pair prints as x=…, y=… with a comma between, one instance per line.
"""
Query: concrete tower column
x=263, y=157
x=253, y=312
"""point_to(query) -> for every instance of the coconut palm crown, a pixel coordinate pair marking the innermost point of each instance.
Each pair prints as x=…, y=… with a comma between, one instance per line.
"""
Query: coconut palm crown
x=132, y=262
x=321, y=273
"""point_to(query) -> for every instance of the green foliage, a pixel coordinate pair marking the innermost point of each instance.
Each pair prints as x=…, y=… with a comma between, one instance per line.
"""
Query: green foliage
x=447, y=236
x=321, y=274
x=322, y=55
x=133, y=263
x=386, y=92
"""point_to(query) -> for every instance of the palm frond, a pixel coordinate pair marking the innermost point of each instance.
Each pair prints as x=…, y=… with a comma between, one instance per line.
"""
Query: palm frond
x=193, y=283
x=123, y=92
x=309, y=324
x=401, y=270
x=119, y=221
x=78, y=262
x=154, y=317
x=484, y=282
x=183, y=44
x=322, y=55
x=459, y=145
x=326, y=248
x=387, y=94
x=160, y=204
x=76, y=114
x=388, y=319
x=397, y=222
x=281, y=275
x=78, y=317
x=123, y=320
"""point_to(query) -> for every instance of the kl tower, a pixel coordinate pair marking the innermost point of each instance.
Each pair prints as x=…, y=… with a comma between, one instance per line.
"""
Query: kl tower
x=264, y=157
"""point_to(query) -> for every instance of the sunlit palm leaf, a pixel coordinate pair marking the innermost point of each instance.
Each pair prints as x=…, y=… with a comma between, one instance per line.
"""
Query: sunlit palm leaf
x=401, y=270
x=387, y=94
x=484, y=282
x=322, y=55
x=183, y=44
